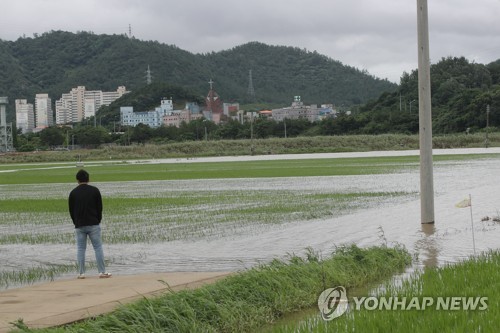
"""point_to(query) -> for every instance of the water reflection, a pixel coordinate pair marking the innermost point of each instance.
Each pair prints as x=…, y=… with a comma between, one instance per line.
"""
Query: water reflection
x=429, y=246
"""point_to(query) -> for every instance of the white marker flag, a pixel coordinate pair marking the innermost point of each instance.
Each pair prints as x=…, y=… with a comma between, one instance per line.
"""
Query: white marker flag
x=463, y=204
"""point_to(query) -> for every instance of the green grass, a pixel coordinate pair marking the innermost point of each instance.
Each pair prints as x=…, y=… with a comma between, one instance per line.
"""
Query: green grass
x=101, y=172
x=476, y=277
x=250, y=169
x=34, y=274
x=44, y=205
x=251, y=299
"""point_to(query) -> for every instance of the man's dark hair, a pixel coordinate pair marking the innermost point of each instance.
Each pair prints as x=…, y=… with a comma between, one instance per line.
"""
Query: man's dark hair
x=82, y=176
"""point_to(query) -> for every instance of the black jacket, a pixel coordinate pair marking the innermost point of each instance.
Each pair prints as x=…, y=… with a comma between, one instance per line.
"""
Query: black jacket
x=85, y=205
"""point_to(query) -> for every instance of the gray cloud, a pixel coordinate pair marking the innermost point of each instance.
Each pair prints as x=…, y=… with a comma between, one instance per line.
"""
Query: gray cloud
x=378, y=36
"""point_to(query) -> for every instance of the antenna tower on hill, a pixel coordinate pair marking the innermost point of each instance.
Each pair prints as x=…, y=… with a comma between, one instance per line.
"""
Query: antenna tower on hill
x=250, y=91
x=149, y=77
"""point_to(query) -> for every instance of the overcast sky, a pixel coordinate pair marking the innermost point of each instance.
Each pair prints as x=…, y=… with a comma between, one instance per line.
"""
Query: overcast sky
x=379, y=36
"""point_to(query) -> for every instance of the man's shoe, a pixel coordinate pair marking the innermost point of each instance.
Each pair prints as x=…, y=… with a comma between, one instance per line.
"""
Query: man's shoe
x=81, y=276
x=104, y=275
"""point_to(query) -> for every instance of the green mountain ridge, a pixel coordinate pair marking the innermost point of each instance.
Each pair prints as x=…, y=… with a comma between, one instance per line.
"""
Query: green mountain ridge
x=57, y=61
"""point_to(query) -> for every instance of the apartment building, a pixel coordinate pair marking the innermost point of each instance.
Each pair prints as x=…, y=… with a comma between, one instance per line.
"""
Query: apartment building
x=177, y=117
x=296, y=111
x=162, y=115
x=25, y=116
x=43, y=111
x=153, y=118
x=81, y=103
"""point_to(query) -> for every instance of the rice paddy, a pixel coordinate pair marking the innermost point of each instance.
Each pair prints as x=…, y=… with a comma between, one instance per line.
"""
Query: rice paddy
x=157, y=211
x=159, y=216
x=150, y=202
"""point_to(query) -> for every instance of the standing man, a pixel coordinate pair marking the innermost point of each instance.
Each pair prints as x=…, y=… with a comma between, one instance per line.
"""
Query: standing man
x=85, y=208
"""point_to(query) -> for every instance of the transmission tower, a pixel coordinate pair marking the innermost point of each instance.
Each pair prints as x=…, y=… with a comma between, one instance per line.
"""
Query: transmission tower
x=6, y=142
x=250, y=91
x=149, y=78
x=129, y=31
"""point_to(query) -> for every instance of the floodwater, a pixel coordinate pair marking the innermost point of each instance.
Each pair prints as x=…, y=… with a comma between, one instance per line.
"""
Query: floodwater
x=453, y=237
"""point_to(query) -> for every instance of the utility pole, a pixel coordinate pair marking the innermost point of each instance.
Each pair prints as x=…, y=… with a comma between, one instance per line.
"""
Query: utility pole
x=251, y=134
x=411, y=102
x=487, y=141
x=425, y=120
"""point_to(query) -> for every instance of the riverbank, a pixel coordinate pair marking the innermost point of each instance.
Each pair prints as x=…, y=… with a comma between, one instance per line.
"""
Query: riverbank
x=246, y=301
x=244, y=147
x=463, y=297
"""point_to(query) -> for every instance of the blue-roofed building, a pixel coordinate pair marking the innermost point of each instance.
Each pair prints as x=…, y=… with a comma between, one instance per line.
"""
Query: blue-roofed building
x=152, y=118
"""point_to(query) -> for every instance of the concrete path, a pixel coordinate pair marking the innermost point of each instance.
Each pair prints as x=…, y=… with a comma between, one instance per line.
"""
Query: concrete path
x=66, y=301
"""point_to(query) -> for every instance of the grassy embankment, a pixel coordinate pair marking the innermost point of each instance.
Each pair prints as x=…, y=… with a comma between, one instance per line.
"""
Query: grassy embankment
x=251, y=299
x=476, y=277
x=299, y=145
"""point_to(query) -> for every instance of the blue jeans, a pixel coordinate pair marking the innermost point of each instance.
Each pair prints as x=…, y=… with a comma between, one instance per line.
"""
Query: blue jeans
x=94, y=233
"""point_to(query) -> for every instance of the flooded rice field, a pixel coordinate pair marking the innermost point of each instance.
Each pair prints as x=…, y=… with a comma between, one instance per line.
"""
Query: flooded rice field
x=227, y=227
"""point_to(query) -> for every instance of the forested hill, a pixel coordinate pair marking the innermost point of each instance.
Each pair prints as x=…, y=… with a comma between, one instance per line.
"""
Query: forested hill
x=57, y=61
x=462, y=94
x=280, y=72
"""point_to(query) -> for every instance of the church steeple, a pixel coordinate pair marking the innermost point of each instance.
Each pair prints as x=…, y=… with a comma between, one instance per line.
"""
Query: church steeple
x=213, y=103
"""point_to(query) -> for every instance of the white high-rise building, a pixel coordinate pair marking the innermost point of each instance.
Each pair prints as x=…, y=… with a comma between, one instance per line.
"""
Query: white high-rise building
x=110, y=96
x=80, y=103
x=43, y=111
x=25, y=116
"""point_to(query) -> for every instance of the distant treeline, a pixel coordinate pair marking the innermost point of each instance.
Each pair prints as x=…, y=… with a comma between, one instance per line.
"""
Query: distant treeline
x=461, y=93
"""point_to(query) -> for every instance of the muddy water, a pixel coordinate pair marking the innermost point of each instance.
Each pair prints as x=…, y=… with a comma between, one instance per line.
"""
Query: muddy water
x=448, y=240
